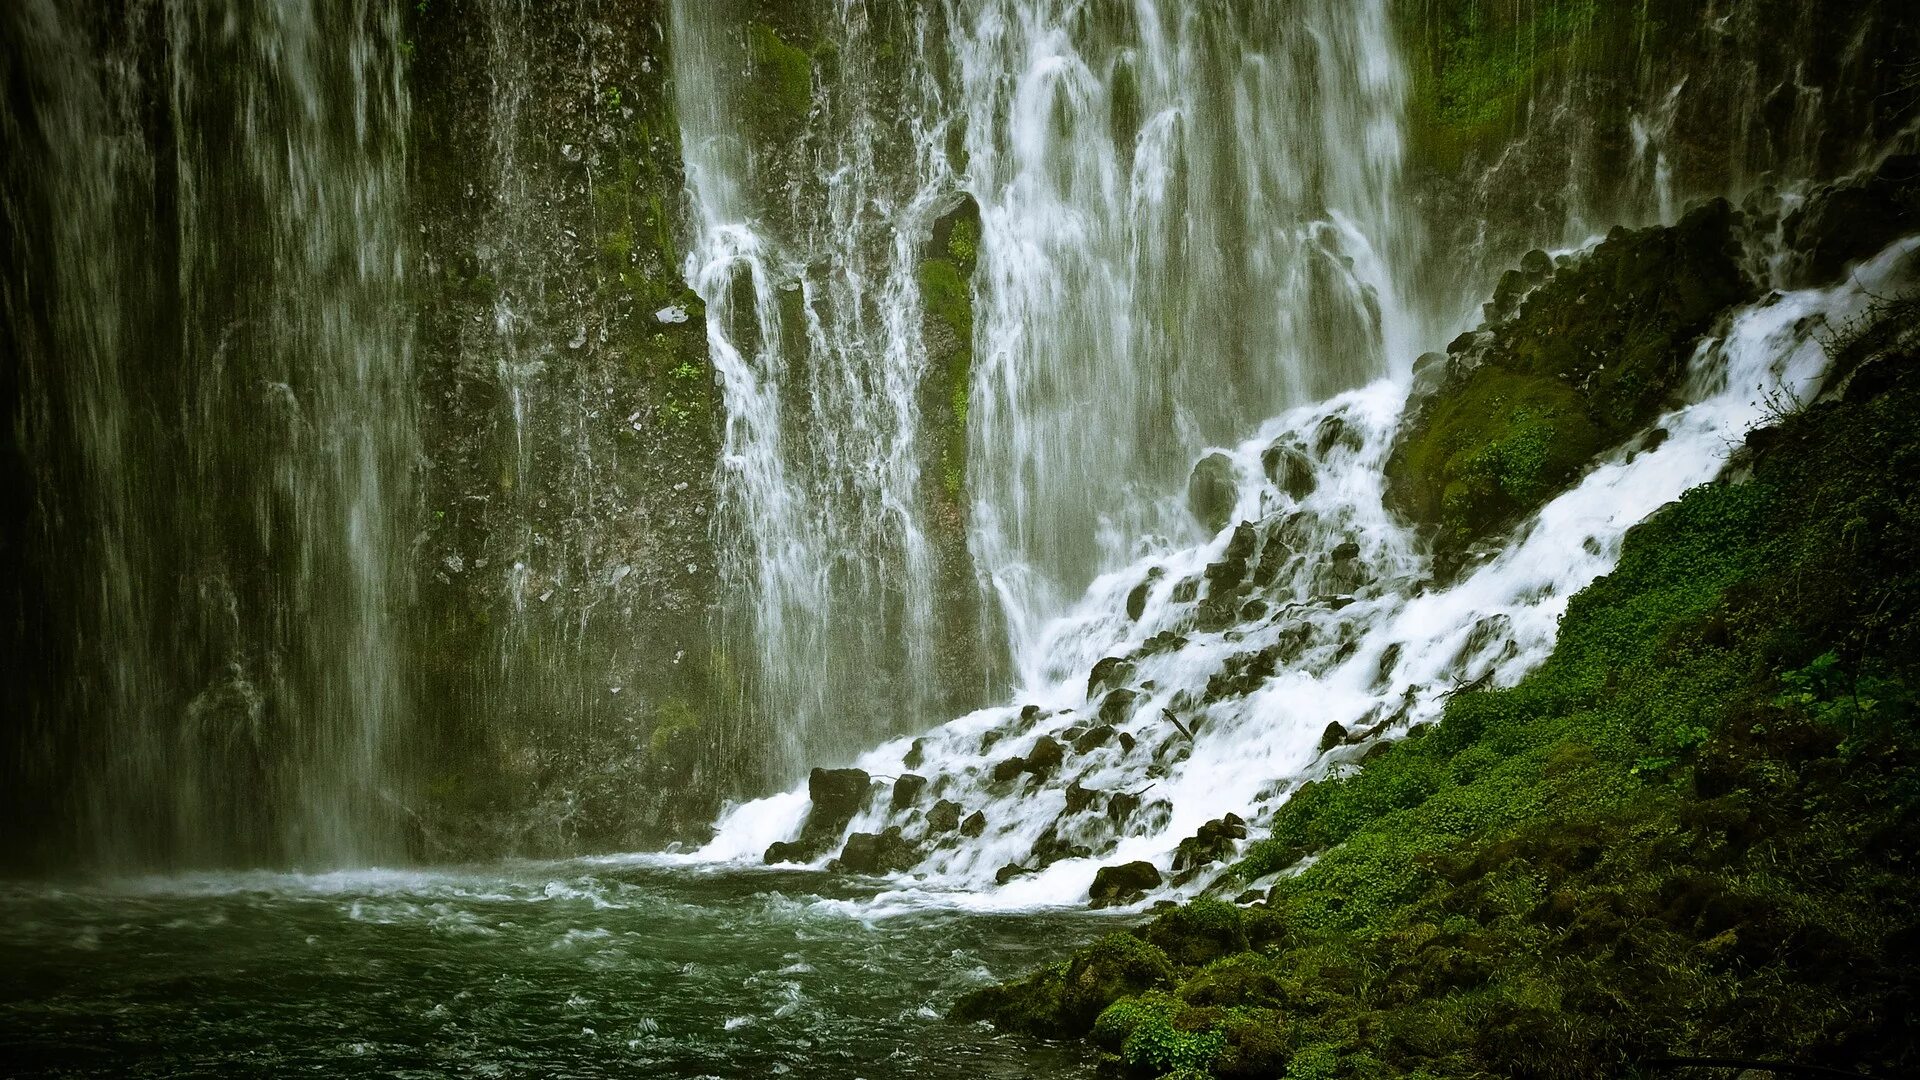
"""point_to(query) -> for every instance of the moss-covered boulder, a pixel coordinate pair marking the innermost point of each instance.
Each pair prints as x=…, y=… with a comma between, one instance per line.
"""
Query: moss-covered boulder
x=1591, y=355
x=1064, y=1001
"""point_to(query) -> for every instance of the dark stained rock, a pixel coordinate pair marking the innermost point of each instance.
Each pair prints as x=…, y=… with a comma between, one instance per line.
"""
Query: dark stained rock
x=1126, y=743
x=1052, y=848
x=1332, y=737
x=1046, y=756
x=781, y=851
x=1213, y=842
x=1123, y=884
x=1117, y=707
x=1845, y=223
x=1008, y=769
x=876, y=853
x=1080, y=798
x=1121, y=806
x=975, y=824
x=944, y=817
x=1110, y=672
x=1093, y=739
x=1348, y=550
x=1185, y=591
x=1289, y=470
x=916, y=754
x=907, y=789
x=1212, y=491
x=1009, y=872
x=836, y=795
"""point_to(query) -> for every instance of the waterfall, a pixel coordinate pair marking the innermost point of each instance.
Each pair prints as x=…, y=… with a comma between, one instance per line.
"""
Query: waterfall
x=215, y=370
x=814, y=322
x=1178, y=236
x=1190, y=224
x=1157, y=719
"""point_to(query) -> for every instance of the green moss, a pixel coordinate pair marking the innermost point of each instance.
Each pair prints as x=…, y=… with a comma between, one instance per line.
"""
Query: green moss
x=948, y=298
x=1590, y=357
x=1686, y=833
x=782, y=86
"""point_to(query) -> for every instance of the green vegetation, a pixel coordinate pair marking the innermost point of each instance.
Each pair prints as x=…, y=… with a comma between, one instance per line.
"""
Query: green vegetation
x=949, y=300
x=1688, y=833
x=1591, y=356
x=782, y=84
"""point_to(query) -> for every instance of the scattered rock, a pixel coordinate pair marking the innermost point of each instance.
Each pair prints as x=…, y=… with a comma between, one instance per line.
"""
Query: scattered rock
x=916, y=754
x=975, y=824
x=1127, y=883
x=1289, y=470
x=907, y=789
x=1332, y=737
x=1212, y=491
x=1008, y=769
x=944, y=817
x=1117, y=707
x=1093, y=739
x=1112, y=671
x=1009, y=872
x=1212, y=843
x=876, y=853
x=1046, y=756
x=1346, y=551
x=837, y=795
x=1080, y=798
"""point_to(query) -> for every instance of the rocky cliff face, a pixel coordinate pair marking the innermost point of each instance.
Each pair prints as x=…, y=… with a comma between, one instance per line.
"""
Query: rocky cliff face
x=565, y=560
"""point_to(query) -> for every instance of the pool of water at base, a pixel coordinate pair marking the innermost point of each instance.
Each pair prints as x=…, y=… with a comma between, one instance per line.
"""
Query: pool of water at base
x=579, y=969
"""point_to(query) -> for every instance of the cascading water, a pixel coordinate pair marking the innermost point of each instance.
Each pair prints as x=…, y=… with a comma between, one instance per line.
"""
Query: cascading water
x=814, y=321
x=215, y=361
x=1169, y=248
x=1183, y=234
x=1148, y=715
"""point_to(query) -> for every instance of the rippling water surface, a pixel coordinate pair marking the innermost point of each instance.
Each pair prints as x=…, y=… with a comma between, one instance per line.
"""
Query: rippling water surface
x=579, y=969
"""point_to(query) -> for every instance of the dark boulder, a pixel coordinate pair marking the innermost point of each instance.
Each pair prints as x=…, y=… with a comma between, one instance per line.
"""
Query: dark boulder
x=1126, y=883
x=1009, y=872
x=1093, y=739
x=1080, y=798
x=1333, y=736
x=1118, y=706
x=1110, y=672
x=1008, y=769
x=782, y=851
x=836, y=795
x=1211, y=844
x=944, y=817
x=907, y=789
x=1046, y=756
x=1289, y=470
x=975, y=824
x=876, y=853
x=1212, y=491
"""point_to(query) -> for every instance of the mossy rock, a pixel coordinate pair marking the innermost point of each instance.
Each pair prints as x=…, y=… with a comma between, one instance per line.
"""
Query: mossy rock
x=1065, y=1000
x=781, y=90
x=1591, y=356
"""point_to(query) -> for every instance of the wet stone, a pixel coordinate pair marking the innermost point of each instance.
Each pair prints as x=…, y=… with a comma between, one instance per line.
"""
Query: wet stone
x=907, y=789
x=1123, y=884
x=1046, y=756
x=1111, y=671
x=1333, y=736
x=975, y=824
x=1093, y=739
x=944, y=817
x=1289, y=470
